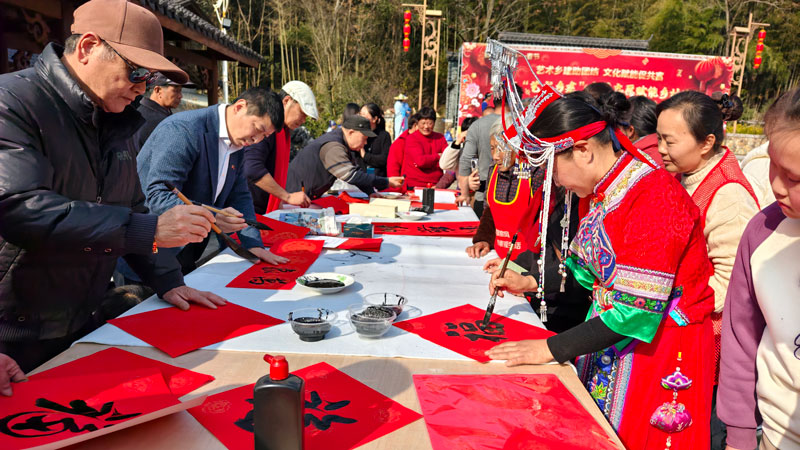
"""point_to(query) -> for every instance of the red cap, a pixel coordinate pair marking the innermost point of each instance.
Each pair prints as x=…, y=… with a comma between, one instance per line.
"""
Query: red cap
x=278, y=367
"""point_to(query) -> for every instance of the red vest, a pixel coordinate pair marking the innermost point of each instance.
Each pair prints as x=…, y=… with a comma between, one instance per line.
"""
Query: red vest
x=507, y=216
x=726, y=171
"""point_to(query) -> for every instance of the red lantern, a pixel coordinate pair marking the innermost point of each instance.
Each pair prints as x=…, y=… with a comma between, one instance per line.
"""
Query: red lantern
x=759, y=48
x=406, y=30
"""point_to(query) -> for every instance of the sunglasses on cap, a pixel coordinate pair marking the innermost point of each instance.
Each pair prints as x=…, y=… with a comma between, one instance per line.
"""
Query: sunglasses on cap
x=137, y=74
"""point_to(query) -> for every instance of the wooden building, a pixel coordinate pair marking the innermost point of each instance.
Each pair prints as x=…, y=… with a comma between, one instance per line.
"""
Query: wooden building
x=190, y=40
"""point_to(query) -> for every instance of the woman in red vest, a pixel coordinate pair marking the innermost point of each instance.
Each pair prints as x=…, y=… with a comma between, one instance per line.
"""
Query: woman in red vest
x=690, y=131
x=508, y=196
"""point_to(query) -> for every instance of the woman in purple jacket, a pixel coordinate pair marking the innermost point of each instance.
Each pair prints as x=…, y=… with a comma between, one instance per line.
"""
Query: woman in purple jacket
x=760, y=364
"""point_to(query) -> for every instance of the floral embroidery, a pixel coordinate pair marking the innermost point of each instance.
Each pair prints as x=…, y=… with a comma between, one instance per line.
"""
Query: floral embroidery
x=605, y=376
x=647, y=304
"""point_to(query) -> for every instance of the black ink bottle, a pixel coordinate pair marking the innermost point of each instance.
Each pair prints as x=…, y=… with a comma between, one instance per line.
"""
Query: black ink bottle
x=428, y=196
x=278, y=407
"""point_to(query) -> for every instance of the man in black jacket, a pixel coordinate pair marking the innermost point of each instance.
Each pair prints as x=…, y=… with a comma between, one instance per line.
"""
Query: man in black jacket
x=334, y=155
x=70, y=199
x=166, y=95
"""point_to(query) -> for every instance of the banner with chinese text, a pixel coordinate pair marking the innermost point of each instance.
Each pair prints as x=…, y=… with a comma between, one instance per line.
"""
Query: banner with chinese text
x=657, y=76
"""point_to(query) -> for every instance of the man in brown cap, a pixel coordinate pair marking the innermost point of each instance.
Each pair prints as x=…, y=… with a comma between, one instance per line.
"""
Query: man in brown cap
x=70, y=199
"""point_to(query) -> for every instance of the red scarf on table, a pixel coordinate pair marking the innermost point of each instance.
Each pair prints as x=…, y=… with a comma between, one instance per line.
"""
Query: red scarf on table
x=282, y=150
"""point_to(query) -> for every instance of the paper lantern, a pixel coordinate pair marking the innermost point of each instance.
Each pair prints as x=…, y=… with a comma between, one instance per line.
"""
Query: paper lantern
x=759, y=48
x=406, y=30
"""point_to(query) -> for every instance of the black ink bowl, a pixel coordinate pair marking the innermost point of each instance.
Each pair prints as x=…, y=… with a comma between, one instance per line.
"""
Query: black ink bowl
x=311, y=324
x=370, y=321
x=395, y=302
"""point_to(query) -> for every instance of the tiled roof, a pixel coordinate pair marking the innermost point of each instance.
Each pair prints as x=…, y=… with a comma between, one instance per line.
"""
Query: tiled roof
x=572, y=41
x=175, y=10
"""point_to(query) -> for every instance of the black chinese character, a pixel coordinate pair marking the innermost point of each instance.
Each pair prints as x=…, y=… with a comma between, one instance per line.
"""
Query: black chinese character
x=435, y=229
x=277, y=270
x=32, y=424
x=493, y=332
x=264, y=280
x=325, y=421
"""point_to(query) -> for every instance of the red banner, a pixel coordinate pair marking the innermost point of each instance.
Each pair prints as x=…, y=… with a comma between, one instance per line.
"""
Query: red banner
x=655, y=75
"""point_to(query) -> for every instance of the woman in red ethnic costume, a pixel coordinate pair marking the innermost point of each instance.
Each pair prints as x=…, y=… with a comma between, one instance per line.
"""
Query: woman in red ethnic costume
x=644, y=348
x=690, y=129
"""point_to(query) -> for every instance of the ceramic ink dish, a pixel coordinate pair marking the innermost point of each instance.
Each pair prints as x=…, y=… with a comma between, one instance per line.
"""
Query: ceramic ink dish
x=370, y=321
x=325, y=282
x=395, y=302
x=312, y=324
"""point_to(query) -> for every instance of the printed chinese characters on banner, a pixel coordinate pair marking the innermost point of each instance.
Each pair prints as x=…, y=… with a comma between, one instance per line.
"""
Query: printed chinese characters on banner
x=657, y=76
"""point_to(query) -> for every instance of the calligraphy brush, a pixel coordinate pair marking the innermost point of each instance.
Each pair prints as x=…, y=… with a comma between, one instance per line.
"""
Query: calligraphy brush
x=253, y=223
x=238, y=249
x=490, y=308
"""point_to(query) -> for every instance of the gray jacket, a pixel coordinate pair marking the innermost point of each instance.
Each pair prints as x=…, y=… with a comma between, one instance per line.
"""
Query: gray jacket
x=477, y=145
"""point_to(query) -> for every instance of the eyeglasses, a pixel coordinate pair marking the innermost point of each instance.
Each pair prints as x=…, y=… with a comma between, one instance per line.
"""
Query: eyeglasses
x=138, y=74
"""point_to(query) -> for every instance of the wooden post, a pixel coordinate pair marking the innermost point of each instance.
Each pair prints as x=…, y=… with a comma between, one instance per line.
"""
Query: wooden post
x=213, y=84
x=436, y=62
x=422, y=52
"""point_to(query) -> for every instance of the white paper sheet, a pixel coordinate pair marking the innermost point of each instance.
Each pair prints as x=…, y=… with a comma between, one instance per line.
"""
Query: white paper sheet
x=433, y=273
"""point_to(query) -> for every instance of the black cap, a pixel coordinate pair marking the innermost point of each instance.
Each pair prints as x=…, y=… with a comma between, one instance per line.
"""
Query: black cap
x=160, y=80
x=360, y=124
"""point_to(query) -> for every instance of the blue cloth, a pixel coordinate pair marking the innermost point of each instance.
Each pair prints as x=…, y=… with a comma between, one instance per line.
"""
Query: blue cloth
x=184, y=150
x=401, y=114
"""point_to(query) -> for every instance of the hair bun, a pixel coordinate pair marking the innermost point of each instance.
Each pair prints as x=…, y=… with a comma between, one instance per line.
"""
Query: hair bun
x=615, y=108
x=730, y=106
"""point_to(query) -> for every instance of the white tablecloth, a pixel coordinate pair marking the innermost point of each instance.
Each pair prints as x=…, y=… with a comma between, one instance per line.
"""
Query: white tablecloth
x=434, y=273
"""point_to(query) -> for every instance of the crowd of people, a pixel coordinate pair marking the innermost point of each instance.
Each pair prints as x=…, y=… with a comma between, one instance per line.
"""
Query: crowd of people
x=668, y=272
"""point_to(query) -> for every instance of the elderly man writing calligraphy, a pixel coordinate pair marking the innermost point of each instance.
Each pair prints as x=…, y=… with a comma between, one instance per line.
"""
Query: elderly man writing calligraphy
x=70, y=200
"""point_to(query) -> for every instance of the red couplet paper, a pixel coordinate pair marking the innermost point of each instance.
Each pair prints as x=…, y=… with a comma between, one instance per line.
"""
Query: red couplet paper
x=339, y=206
x=176, y=332
x=457, y=329
x=280, y=231
x=506, y=412
x=452, y=229
x=180, y=381
x=301, y=253
x=367, y=245
x=340, y=412
x=47, y=410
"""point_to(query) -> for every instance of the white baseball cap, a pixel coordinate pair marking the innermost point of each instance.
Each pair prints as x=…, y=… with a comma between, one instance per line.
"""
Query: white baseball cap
x=302, y=94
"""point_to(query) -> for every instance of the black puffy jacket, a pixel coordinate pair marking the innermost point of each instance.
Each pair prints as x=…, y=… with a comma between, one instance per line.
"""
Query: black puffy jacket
x=70, y=204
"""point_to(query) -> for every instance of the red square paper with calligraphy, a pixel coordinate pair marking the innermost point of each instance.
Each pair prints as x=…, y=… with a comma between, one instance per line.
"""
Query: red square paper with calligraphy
x=457, y=329
x=301, y=253
x=506, y=411
x=280, y=231
x=176, y=332
x=180, y=381
x=48, y=410
x=340, y=412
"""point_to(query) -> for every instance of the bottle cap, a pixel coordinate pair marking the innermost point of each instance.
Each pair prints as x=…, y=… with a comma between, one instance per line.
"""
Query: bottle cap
x=278, y=367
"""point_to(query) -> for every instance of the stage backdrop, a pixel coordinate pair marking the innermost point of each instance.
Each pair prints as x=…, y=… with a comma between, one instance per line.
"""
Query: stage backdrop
x=655, y=75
